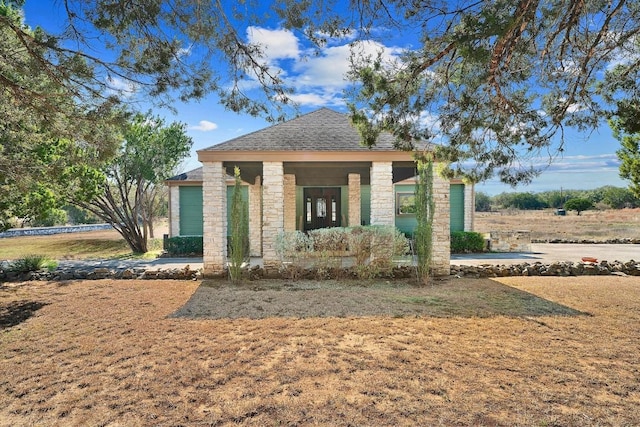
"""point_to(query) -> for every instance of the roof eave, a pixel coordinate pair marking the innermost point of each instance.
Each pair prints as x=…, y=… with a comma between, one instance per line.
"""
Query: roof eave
x=303, y=156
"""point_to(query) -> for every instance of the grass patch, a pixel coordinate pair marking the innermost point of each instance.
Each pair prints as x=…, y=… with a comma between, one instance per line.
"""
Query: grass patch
x=103, y=244
x=105, y=352
x=218, y=299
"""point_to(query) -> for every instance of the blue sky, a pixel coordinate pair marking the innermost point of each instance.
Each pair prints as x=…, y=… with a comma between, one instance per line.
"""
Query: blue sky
x=589, y=160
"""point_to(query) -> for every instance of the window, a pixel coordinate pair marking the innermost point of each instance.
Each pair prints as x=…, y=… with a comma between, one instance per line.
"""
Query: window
x=405, y=203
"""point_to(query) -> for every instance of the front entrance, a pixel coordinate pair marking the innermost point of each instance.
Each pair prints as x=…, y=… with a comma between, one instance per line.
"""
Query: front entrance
x=321, y=208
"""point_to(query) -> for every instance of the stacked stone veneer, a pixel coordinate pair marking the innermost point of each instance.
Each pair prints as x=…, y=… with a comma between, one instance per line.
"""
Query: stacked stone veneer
x=174, y=211
x=469, y=206
x=272, y=213
x=441, y=226
x=289, y=202
x=355, y=215
x=510, y=241
x=382, y=196
x=214, y=210
x=255, y=218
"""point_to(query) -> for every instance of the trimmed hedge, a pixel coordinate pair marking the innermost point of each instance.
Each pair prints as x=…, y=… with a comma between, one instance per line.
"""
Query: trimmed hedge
x=466, y=241
x=183, y=246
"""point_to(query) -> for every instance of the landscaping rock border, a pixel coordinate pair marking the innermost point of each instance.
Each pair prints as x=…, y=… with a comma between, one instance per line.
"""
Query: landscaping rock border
x=102, y=273
x=559, y=269
x=617, y=241
x=562, y=269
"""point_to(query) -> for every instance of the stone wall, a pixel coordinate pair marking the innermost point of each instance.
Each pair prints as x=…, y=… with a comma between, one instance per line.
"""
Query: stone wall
x=382, y=197
x=272, y=212
x=355, y=215
x=510, y=241
x=469, y=206
x=174, y=211
x=255, y=218
x=46, y=231
x=214, y=212
x=289, y=202
x=441, y=225
x=559, y=269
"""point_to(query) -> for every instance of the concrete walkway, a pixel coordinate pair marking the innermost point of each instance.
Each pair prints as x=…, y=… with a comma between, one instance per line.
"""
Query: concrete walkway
x=545, y=253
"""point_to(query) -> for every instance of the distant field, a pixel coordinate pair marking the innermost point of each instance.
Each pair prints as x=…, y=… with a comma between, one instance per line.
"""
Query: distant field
x=104, y=244
x=543, y=224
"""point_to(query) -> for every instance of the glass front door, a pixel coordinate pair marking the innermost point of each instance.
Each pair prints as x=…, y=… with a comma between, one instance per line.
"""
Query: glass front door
x=321, y=208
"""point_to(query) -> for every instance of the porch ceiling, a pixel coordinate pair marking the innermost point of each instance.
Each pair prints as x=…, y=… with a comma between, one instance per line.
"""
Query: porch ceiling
x=322, y=173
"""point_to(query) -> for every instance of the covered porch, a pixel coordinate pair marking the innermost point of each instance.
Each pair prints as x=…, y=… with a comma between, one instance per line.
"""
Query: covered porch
x=296, y=191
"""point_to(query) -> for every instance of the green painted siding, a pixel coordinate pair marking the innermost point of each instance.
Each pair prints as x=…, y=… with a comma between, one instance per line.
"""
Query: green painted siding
x=456, y=201
x=407, y=223
x=190, y=211
x=365, y=204
x=404, y=223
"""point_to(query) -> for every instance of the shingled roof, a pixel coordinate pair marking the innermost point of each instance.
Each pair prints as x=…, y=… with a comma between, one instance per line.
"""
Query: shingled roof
x=320, y=130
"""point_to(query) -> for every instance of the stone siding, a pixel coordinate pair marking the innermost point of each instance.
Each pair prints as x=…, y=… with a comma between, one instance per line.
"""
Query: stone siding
x=441, y=226
x=255, y=218
x=469, y=206
x=382, y=197
x=289, y=202
x=354, y=200
x=510, y=241
x=272, y=213
x=174, y=211
x=214, y=195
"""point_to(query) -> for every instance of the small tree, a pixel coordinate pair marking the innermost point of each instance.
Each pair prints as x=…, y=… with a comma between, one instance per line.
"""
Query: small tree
x=239, y=233
x=425, y=208
x=483, y=202
x=578, y=204
x=124, y=191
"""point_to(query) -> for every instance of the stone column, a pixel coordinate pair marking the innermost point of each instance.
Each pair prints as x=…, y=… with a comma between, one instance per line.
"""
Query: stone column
x=174, y=211
x=354, y=200
x=469, y=206
x=255, y=218
x=272, y=213
x=382, y=202
x=214, y=212
x=441, y=226
x=290, y=202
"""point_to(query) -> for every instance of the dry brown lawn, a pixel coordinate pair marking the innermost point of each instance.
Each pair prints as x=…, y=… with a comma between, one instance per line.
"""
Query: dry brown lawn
x=109, y=353
x=543, y=224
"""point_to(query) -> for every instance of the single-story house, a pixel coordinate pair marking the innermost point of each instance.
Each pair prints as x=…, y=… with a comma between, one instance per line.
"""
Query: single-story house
x=306, y=173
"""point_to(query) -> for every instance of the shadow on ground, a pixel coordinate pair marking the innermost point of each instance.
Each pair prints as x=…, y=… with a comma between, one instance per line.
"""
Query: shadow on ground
x=395, y=298
x=16, y=312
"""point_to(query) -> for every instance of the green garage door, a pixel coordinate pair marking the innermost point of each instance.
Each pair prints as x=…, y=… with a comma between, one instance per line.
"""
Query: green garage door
x=456, y=200
x=190, y=211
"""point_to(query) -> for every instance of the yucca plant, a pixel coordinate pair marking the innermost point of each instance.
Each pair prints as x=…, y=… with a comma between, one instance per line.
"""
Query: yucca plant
x=32, y=263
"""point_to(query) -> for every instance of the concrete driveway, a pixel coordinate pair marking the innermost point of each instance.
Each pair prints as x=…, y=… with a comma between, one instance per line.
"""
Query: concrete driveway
x=552, y=252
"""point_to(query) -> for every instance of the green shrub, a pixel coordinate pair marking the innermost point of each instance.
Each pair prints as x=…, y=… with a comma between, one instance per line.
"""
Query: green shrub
x=50, y=218
x=184, y=246
x=466, y=241
x=373, y=248
x=334, y=239
x=32, y=263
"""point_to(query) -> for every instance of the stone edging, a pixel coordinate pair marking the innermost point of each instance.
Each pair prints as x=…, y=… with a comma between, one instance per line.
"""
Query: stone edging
x=561, y=269
x=103, y=273
x=46, y=231
x=616, y=241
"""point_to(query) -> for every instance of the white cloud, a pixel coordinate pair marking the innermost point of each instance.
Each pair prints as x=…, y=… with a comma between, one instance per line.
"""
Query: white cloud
x=276, y=44
x=204, y=126
x=318, y=99
x=121, y=87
